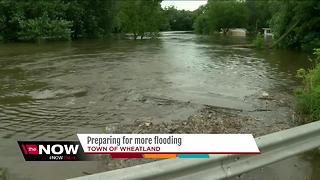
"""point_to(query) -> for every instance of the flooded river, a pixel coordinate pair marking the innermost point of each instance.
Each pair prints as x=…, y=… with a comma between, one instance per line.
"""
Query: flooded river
x=55, y=90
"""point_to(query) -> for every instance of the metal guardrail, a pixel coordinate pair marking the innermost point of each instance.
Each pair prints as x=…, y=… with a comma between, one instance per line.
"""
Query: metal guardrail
x=274, y=147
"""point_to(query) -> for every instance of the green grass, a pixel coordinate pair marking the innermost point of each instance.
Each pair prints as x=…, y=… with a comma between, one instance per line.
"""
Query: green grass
x=308, y=97
x=259, y=42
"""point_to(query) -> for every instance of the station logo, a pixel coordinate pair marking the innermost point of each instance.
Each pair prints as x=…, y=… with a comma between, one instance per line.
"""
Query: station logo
x=52, y=150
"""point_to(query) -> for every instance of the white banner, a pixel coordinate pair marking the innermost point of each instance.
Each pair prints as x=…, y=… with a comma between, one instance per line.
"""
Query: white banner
x=169, y=143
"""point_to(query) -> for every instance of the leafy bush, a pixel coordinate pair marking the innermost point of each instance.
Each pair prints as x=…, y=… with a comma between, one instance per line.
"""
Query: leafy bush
x=44, y=28
x=308, y=98
x=55, y=19
x=259, y=42
x=201, y=24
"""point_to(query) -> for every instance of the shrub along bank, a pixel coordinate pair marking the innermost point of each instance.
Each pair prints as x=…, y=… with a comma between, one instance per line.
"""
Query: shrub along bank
x=308, y=98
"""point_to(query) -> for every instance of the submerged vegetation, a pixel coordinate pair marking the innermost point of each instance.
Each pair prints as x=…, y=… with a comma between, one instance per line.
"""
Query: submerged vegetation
x=139, y=17
x=308, y=98
x=259, y=42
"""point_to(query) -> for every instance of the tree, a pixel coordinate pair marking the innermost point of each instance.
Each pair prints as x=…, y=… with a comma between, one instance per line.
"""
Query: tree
x=259, y=14
x=10, y=16
x=139, y=17
x=305, y=15
x=97, y=17
x=227, y=14
x=201, y=22
x=55, y=19
x=178, y=20
x=222, y=15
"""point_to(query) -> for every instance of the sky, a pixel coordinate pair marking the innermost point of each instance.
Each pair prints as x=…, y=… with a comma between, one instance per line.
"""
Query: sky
x=184, y=4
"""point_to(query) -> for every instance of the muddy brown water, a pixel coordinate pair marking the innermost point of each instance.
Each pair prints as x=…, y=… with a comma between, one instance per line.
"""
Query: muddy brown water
x=51, y=91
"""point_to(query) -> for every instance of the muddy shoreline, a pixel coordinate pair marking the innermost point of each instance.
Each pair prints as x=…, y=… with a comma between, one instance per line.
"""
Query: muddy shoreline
x=209, y=120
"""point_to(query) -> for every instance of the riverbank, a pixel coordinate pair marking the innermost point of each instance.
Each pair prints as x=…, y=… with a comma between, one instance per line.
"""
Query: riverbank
x=208, y=120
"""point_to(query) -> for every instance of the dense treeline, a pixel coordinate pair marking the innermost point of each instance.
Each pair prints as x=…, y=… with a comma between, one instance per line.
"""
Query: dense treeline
x=302, y=17
x=221, y=15
x=295, y=23
x=24, y=20
x=177, y=20
x=29, y=20
x=55, y=19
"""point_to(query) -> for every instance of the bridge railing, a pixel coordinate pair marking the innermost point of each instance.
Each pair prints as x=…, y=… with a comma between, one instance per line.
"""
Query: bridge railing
x=274, y=147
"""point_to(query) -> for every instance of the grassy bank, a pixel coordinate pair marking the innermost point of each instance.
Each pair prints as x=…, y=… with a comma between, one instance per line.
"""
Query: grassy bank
x=308, y=97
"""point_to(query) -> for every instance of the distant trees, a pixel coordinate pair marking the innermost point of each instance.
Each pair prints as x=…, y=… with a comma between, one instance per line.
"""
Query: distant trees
x=32, y=20
x=22, y=20
x=295, y=23
x=55, y=19
x=259, y=14
x=222, y=15
x=178, y=20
